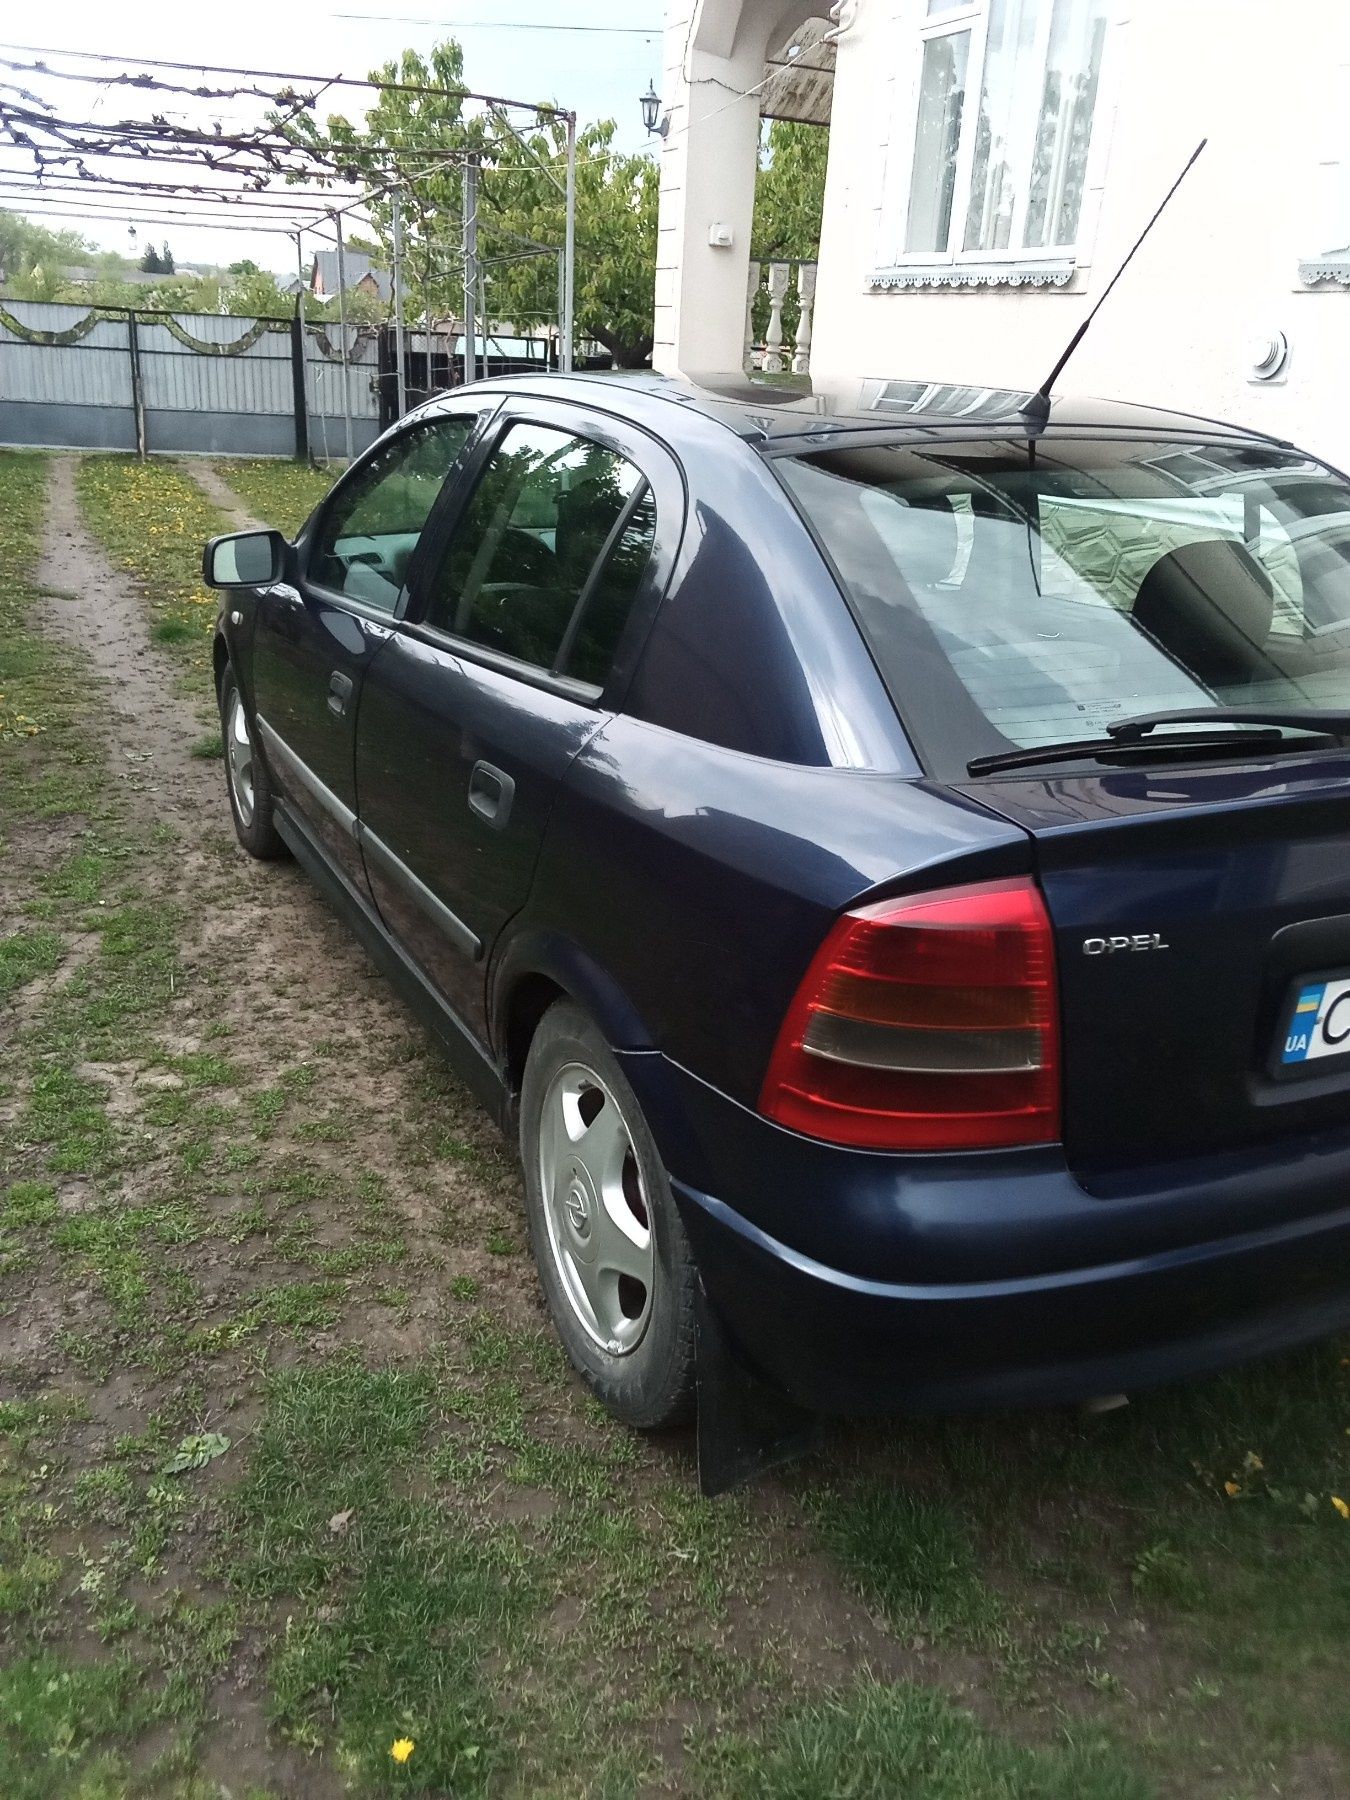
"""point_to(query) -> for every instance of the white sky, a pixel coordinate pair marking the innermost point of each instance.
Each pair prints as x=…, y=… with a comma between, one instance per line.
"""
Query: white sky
x=599, y=74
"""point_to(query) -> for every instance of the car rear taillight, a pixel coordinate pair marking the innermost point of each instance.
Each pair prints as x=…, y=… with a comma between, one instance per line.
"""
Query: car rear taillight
x=927, y=1023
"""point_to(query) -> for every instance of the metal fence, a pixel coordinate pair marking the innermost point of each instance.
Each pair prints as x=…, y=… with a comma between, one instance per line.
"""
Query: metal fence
x=113, y=378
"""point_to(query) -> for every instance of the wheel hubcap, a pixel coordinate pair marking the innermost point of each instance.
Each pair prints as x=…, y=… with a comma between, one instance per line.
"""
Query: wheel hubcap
x=596, y=1209
x=239, y=759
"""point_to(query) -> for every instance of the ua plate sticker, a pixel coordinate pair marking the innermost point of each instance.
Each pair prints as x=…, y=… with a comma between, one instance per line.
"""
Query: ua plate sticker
x=1321, y=1022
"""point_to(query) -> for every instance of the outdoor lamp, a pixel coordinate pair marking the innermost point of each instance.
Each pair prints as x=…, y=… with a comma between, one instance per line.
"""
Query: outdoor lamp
x=650, y=102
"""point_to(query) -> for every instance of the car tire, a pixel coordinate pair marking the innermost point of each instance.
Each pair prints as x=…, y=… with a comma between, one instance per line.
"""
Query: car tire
x=246, y=778
x=613, y=1260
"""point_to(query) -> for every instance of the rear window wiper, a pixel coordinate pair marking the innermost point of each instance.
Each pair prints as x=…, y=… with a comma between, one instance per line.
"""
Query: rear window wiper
x=1330, y=721
x=1134, y=749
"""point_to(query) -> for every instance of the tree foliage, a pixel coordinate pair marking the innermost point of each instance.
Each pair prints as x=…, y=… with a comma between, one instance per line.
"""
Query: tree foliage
x=421, y=140
x=37, y=265
x=790, y=192
x=23, y=246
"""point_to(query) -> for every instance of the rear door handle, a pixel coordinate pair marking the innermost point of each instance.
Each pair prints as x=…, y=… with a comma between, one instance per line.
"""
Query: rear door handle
x=491, y=791
x=339, y=692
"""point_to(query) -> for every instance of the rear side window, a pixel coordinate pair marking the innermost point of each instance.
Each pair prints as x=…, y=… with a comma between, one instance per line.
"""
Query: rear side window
x=368, y=533
x=1025, y=600
x=548, y=557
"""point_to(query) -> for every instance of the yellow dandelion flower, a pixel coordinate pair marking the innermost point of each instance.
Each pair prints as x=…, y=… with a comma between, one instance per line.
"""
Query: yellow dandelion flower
x=1340, y=1506
x=401, y=1749
x=1252, y=1462
x=1232, y=1489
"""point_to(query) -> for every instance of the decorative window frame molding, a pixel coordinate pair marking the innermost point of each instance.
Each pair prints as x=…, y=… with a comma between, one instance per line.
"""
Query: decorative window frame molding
x=1018, y=274
x=1319, y=271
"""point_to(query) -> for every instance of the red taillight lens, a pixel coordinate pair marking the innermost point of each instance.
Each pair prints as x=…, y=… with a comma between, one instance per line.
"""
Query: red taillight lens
x=929, y=1023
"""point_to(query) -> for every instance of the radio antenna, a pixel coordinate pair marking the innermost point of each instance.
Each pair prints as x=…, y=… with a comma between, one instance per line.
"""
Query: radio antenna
x=1037, y=409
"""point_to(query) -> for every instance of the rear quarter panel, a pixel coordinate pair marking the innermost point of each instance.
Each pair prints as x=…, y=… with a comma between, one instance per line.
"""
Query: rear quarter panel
x=700, y=881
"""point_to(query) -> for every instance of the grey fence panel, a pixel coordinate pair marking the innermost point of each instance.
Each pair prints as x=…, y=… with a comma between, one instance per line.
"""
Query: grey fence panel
x=62, y=395
x=323, y=389
x=254, y=380
x=208, y=383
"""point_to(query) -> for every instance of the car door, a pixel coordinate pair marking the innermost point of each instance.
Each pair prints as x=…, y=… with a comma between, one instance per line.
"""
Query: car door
x=313, y=642
x=523, y=620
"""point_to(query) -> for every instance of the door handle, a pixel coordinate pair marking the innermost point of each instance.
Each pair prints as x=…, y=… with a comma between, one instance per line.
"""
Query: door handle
x=491, y=792
x=339, y=692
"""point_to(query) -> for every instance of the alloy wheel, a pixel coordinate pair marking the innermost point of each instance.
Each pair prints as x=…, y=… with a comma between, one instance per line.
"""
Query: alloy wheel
x=596, y=1209
x=239, y=758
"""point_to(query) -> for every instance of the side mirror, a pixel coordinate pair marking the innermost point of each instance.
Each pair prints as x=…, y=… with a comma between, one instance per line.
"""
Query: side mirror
x=245, y=559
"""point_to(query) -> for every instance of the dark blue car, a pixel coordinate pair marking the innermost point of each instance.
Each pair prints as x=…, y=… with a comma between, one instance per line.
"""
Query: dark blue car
x=890, y=866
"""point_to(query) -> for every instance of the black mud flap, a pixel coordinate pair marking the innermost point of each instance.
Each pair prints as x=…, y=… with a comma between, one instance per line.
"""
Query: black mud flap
x=745, y=1426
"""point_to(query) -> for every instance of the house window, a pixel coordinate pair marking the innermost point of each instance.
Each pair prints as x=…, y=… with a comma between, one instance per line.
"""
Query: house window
x=1006, y=95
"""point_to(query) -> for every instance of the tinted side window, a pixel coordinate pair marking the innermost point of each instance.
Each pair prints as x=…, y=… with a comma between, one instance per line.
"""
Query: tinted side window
x=612, y=593
x=523, y=554
x=367, y=536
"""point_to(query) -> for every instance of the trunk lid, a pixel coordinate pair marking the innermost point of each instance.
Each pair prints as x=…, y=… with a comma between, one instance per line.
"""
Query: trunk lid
x=1187, y=907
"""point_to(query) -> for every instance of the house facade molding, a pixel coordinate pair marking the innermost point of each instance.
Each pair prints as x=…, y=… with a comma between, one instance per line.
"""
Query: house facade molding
x=1317, y=270
x=975, y=275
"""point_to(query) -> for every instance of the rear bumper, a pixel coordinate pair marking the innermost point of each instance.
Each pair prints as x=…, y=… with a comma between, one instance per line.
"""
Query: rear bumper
x=838, y=1343
x=860, y=1282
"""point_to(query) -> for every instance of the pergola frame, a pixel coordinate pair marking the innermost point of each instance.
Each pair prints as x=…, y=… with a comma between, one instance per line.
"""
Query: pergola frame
x=249, y=177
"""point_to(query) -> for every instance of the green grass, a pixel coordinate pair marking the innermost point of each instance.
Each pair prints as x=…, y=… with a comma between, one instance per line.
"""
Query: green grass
x=56, y=1718
x=414, y=1601
x=23, y=479
x=280, y=494
x=25, y=955
x=877, y=1740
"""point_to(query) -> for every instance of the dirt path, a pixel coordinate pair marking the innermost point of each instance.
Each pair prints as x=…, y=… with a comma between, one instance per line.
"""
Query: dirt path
x=263, y=951
x=209, y=480
x=148, y=727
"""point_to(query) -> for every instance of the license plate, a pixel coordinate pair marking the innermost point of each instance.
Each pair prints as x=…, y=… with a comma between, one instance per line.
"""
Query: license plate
x=1317, y=1022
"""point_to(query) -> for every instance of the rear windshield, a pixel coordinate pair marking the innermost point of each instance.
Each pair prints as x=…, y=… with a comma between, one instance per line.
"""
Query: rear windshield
x=1018, y=596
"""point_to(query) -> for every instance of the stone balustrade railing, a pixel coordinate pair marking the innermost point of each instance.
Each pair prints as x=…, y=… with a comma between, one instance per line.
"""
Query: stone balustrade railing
x=781, y=349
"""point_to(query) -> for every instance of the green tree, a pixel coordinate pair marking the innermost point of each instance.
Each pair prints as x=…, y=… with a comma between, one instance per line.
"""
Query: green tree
x=789, y=204
x=24, y=245
x=789, y=192
x=255, y=293
x=42, y=281
x=419, y=140
x=150, y=262
x=615, y=238
x=166, y=261
x=424, y=138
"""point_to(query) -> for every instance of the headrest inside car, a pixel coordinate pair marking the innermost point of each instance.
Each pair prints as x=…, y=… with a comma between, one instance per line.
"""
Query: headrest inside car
x=1210, y=606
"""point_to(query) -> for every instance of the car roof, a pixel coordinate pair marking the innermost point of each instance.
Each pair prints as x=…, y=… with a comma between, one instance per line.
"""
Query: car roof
x=776, y=417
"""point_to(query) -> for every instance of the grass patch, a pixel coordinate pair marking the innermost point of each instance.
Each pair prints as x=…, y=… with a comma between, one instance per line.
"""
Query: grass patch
x=25, y=955
x=57, y=1719
x=878, y=1740
x=412, y=1602
x=915, y=1559
x=280, y=494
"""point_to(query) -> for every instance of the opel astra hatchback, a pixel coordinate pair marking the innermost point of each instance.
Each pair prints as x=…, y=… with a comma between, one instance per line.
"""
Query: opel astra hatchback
x=889, y=867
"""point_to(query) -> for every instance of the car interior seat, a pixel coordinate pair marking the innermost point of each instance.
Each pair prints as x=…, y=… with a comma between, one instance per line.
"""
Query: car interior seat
x=1209, y=605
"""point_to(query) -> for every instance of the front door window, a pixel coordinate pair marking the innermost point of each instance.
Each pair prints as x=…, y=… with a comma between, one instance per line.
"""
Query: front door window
x=368, y=534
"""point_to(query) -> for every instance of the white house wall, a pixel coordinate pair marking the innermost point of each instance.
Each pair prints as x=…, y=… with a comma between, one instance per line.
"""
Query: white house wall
x=1266, y=83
